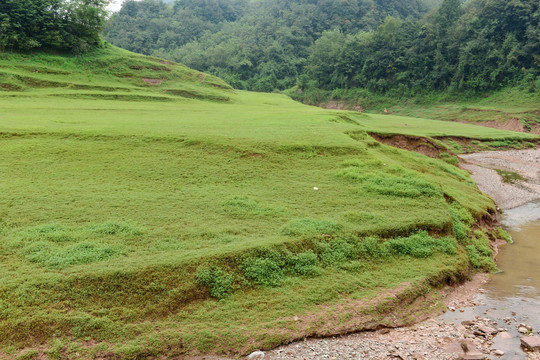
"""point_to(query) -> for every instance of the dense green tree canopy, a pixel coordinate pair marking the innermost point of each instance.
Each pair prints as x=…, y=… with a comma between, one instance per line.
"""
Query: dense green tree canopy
x=259, y=45
x=484, y=45
x=385, y=46
x=63, y=25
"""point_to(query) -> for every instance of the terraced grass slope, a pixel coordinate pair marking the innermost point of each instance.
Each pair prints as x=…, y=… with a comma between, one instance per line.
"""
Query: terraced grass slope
x=150, y=210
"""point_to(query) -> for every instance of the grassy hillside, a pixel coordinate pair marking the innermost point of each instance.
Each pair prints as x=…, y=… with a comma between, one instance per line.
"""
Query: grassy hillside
x=147, y=209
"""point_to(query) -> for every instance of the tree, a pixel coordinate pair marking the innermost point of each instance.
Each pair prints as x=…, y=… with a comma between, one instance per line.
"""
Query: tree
x=59, y=25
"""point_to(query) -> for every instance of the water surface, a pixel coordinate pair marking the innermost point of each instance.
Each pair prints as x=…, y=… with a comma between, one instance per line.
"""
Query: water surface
x=514, y=292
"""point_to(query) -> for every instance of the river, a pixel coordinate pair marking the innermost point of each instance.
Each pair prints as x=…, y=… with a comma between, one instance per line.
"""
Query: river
x=512, y=296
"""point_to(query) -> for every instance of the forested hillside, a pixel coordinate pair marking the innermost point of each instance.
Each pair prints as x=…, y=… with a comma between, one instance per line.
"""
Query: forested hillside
x=52, y=25
x=483, y=45
x=397, y=48
x=260, y=45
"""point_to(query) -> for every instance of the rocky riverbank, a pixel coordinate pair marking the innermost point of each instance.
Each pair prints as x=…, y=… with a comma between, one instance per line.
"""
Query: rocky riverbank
x=434, y=339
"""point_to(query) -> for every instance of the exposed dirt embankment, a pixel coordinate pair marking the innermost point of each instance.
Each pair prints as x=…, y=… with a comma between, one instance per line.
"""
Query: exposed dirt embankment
x=513, y=124
x=517, y=180
x=419, y=144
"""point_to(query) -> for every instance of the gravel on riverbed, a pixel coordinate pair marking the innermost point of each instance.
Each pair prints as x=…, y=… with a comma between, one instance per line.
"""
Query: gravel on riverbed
x=506, y=195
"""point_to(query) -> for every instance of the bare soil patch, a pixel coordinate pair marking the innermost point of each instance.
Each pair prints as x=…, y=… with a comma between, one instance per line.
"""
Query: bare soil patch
x=513, y=124
x=412, y=143
x=153, y=81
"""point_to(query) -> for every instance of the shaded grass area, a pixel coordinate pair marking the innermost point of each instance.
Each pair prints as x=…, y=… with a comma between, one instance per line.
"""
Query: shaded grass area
x=138, y=228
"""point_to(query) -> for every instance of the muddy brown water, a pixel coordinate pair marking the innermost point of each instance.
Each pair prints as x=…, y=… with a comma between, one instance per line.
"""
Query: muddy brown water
x=515, y=291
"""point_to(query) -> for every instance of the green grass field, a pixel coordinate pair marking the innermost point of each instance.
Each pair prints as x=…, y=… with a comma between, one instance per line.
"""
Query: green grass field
x=175, y=215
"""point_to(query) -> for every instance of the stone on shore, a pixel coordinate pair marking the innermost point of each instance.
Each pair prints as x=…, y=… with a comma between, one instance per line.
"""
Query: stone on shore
x=487, y=330
x=531, y=342
x=465, y=349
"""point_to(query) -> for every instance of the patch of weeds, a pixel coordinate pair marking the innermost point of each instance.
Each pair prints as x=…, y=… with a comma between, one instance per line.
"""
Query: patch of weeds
x=57, y=257
x=461, y=220
x=28, y=355
x=509, y=177
x=359, y=217
x=374, y=248
x=513, y=144
x=335, y=251
x=264, y=271
x=205, y=341
x=302, y=227
x=352, y=266
x=480, y=252
x=453, y=145
x=421, y=245
x=244, y=207
x=305, y=264
x=86, y=325
x=452, y=160
x=394, y=181
x=353, y=163
x=478, y=260
x=55, y=350
x=503, y=234
x=115, y=228
x=217, y=280
x=50, y=232
x=481, y=242
x=399, y=186
x=526, y=124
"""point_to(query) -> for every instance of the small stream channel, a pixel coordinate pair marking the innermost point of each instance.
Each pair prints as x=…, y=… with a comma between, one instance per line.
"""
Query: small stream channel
x=514, y=293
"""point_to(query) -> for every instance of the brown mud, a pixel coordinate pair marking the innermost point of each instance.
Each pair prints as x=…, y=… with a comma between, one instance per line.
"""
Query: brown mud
x=419, y=144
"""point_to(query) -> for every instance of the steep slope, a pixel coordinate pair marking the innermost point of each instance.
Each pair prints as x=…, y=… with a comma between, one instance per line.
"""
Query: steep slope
x=149, y=210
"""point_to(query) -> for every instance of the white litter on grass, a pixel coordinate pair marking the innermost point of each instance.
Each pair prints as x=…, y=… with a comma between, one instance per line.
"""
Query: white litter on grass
x=315, y=188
